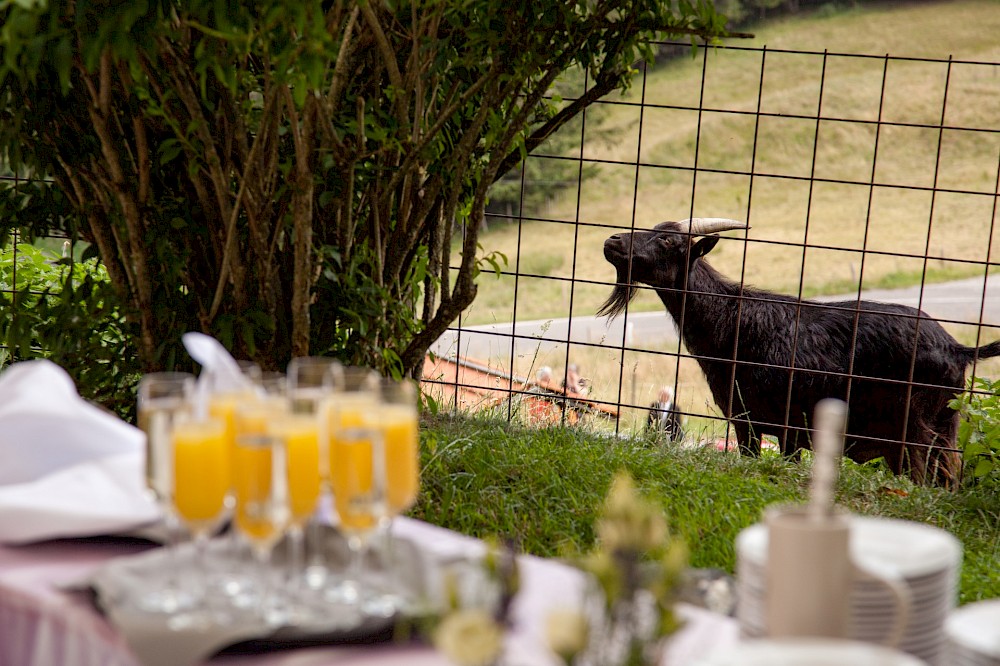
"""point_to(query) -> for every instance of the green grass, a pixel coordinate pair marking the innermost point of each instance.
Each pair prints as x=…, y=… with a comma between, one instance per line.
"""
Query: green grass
x=895, y=280
x=544, y=487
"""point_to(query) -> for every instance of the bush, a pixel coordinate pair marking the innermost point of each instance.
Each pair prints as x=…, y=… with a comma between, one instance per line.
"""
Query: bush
x=979, y=432
x=66, y=312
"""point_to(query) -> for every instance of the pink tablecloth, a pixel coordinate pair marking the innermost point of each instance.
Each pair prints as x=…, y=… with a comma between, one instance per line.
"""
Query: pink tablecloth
x=41, y=625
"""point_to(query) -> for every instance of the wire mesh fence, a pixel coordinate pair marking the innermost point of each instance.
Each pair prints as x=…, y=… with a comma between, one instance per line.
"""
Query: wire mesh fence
x=19, y=288
x=860, y=176
x=10, y=259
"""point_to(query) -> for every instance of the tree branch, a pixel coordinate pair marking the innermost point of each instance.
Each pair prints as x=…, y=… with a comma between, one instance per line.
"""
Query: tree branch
x=230, y=232
x=391, y=66
x=106, y=245
x=302, y=212
x=339, y=77
x=137, y=257
x=141, y=158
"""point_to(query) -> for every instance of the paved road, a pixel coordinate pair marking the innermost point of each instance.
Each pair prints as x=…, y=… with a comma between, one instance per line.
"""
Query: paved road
x=959, y=301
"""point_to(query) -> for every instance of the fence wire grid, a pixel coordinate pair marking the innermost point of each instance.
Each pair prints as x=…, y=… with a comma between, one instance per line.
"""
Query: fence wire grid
x=857, y=175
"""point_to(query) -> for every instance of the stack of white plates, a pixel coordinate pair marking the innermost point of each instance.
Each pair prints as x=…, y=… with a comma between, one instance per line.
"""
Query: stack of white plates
x=809, y=652
x=974, y=634
x=925, y=558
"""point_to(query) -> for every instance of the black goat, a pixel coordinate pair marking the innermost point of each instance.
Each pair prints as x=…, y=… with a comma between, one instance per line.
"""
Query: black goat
x=769, y=358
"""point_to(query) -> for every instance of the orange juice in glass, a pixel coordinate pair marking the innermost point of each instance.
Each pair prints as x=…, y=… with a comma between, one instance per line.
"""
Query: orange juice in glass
x=222, y=406
x=201, y=460
x=356, y=493
x=398, y=423
x=397, y=420
x=262, y=511
x=301, y=437
x=353, y=406
x=253, y=479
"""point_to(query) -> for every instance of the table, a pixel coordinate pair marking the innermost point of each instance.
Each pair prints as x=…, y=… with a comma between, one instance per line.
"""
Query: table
x=43, y=625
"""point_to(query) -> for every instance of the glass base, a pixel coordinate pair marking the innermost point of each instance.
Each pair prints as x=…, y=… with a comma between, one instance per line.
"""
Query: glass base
x=316, y=576
x=385, y=605
x=347, y=592
x=239, y=589
x=365, y=600
x=168, y=599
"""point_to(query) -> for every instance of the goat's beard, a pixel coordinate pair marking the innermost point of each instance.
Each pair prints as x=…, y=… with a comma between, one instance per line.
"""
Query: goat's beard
x=619, y=299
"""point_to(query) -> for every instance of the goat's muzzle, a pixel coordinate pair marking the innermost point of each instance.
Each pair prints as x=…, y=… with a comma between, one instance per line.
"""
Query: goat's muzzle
x=616, y=251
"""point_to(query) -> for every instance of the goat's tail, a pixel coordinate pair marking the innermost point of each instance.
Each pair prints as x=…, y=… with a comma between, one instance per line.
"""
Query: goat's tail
x=986, y=351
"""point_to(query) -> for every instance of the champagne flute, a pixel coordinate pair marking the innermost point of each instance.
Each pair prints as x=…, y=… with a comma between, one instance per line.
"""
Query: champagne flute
x=273, y=383
x=201, y=483
x=311, y=382
x=162, y=397
x=301, y=439
x=357, y=472
x=223, y=398
x=398, y=419
x=263, y=510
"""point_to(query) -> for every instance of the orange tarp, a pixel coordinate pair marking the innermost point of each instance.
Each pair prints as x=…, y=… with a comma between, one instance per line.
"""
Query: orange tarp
x=476, y=385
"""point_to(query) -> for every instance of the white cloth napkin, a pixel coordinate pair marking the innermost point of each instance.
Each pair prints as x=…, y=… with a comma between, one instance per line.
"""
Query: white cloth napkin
x=218, y=365
x=220, y=372
x=67, y=467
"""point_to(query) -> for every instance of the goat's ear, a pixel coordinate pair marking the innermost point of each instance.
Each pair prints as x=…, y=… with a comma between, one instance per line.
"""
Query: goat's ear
x=703, y=247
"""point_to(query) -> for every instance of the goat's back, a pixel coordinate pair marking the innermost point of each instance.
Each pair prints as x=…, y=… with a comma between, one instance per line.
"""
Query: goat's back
x=890, y=339
x=896, y=367
x=861, y=338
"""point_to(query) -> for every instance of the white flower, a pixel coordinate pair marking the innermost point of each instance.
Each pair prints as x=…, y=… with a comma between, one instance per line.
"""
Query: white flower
x=566, y=632
x=629, y=522
x=469, y=637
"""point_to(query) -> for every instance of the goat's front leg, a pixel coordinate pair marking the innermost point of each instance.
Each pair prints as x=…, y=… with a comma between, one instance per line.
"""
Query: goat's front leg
x=748, y=441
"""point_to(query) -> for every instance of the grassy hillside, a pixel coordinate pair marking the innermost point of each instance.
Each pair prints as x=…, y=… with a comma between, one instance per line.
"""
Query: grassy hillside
x=790, y=200
x=779, y=207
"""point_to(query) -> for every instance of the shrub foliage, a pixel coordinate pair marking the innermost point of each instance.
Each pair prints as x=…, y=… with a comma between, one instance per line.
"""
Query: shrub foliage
x=51, y=307
x=979, y=430
x=295, y=177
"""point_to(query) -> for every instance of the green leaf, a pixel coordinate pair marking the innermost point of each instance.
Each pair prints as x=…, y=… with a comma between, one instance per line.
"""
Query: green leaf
x=299, y=92
x=169, y=150
x=62, y=59
x=983, y=468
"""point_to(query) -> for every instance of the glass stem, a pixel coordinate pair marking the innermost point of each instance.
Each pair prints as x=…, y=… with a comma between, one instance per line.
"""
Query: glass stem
x=316, y=572
x=356, y=546
x=262, y=556
x=173, y=546
x=296, y=539
x=389, y=546
x=201, y=558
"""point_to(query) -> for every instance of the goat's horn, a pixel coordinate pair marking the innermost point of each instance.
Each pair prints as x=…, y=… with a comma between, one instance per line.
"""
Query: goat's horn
x=702, y=226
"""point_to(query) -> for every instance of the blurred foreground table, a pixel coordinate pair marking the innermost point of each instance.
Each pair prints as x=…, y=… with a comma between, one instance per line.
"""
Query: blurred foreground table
x=42, y=625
